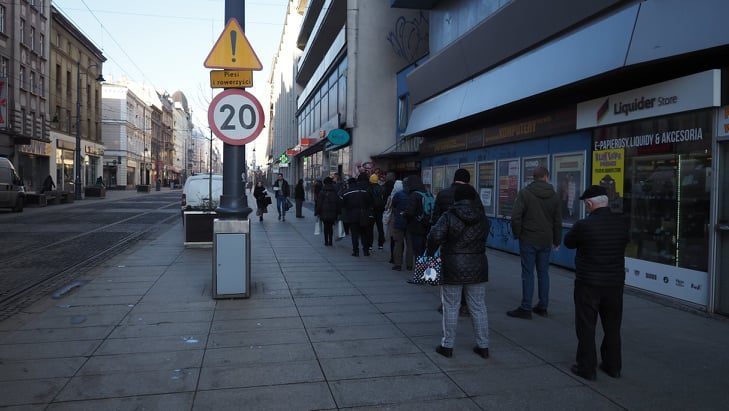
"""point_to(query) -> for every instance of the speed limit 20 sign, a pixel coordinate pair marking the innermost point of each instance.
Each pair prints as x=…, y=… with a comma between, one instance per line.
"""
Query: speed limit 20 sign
x=236, y=117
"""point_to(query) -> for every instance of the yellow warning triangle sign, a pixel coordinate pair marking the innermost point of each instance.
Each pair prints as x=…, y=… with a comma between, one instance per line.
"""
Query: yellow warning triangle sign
x=232, y=51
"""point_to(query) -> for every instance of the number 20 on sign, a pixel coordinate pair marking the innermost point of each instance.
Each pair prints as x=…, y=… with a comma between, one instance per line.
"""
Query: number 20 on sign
x=236, y=117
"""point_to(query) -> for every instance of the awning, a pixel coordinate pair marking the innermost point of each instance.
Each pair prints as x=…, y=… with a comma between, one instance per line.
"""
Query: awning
x=313, y=148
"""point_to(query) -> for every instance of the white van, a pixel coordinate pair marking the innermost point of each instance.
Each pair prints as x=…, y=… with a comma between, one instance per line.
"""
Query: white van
x=12, y=191
x=195, y=194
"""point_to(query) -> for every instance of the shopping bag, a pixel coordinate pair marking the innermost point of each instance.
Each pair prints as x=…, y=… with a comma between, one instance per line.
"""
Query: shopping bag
x=340, y=229
x=317, y=227
x=287, y=205
x=427, y=270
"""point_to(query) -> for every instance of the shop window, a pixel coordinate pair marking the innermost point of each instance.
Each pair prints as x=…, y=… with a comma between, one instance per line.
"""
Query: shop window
x=486, y=184
x=403, y=113
x=426, y=176
x=568, y=176
x=438, y=179
x=508, y=174
x=449, y=174
x=342, y=97
x=528, y=165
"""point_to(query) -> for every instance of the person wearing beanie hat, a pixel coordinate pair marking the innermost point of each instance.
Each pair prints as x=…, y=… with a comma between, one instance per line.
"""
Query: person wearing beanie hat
x=460, y=234
x=444, y=200
x=600, y=240
x=378, y=206
x=374, y=179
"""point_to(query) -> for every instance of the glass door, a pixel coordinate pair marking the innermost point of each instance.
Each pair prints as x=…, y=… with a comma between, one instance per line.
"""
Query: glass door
x=722, y=235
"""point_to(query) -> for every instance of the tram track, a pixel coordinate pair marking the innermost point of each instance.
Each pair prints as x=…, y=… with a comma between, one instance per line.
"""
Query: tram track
x=51, y=270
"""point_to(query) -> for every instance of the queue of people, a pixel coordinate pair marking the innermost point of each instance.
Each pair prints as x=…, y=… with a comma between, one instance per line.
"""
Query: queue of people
x=454, y=225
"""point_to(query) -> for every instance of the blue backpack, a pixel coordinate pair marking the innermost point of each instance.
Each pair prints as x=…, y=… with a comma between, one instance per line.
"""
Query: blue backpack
x=428, y=202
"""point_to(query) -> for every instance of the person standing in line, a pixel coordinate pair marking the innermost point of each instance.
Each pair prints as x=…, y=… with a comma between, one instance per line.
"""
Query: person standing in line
x=443, y=201
x=461, y=235
x=387, y=188
x=357, y=213
x=259, y=193
x=299, y=197
x=378, y=206
x=327, y=209
x=398, y=227
x=282, y=192
x=317, y=189
x=536, y=221
x=418, y=219
x=600, y=240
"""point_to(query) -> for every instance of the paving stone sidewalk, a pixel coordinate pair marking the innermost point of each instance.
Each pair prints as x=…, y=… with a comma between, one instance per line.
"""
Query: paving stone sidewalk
x=324, y=330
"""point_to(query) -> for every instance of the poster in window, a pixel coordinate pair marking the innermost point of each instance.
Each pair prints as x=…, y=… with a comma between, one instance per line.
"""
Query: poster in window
x=438, y=175
x=568, y=175
x=608, y=171
x=450, y=173
x=427, y=176
x=486, y=174
x=508, y=185
x=529, y=164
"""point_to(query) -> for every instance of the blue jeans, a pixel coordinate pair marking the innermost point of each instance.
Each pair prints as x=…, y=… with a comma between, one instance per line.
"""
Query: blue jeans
x=280, y=206
x=531, y=255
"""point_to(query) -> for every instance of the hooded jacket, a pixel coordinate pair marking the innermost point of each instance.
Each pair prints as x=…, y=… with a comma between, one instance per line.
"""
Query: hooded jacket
x=399, y=203
x=536, y=218
x=461, y=235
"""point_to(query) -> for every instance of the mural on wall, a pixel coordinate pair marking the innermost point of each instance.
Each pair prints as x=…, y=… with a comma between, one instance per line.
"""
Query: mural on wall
x=409, y=38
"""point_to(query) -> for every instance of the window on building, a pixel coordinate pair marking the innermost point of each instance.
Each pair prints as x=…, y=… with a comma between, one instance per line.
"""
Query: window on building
x=42, y=45
x=88, y=97
x=68, y=120
x=22, y=121
x=403, y=112
x=22, y=77
x=68, y=85
x=32, y=38
x=22, y=31
x=42, y=87
x=2, y=19
x=58, y=40
x=43, y=126
x=32, y=83
x=32, y=123
x=58, y=78
x=4, y=67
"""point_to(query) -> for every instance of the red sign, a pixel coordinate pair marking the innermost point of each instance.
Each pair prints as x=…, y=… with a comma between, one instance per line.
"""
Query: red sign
x=236, y=117
x=307, y=141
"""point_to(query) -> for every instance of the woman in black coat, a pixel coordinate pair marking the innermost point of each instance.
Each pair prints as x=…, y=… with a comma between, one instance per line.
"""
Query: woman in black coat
x=327, y=209
x=461, y=235
x=260, y=194
x=299, y=197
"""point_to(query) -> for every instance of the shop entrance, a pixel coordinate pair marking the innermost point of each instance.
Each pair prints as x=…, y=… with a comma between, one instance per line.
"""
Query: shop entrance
x=722, y=235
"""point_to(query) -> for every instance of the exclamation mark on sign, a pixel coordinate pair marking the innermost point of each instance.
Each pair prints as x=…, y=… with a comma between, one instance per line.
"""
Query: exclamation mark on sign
x=233, y=35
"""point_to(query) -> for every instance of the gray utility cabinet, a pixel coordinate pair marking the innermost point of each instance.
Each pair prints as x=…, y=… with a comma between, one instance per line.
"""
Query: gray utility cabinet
x=231, y=258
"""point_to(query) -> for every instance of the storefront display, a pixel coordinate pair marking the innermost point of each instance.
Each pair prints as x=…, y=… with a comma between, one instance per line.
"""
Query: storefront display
x=608, y=170
x=486, y=183
x=528, y=165
x=438, y=178
x=568, y=176
x=508, y=186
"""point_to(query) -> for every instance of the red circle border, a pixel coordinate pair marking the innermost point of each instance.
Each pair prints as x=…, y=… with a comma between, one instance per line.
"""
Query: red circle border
x=219, y=133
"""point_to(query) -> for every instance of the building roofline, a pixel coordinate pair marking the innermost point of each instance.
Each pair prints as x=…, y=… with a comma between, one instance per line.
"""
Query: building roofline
x=64, y=22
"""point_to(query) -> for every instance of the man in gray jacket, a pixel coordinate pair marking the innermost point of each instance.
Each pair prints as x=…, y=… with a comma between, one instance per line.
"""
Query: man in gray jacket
x=536, y=221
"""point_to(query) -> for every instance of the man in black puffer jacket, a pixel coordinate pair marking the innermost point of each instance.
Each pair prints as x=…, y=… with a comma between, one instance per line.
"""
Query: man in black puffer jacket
x=461, y=235
x=600, y=240
x=357, y=212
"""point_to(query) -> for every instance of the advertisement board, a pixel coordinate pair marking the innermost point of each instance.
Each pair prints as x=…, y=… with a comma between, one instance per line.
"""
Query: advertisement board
x=681, y=283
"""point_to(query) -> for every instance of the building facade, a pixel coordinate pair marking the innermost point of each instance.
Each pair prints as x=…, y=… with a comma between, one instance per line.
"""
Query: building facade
x=76, y=66
x=24, y=88
x=600, y=93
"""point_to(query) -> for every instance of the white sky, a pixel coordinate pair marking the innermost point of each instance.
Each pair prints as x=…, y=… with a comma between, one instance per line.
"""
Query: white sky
x=163, y=43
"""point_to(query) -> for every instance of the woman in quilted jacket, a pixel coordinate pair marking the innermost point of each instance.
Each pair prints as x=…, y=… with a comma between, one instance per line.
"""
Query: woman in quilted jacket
x=461, y=235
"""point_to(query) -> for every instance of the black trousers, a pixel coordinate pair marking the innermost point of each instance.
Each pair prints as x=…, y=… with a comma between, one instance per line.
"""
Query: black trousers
x=328, y=231
x=299, y=203
x=380, y=230
x=358, y=233
x=607, y=302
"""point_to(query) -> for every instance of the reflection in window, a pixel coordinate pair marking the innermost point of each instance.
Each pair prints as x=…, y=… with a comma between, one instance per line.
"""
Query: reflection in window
x=403, y=113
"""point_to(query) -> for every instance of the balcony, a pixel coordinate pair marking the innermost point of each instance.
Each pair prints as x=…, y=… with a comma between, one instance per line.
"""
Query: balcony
x=325, y=30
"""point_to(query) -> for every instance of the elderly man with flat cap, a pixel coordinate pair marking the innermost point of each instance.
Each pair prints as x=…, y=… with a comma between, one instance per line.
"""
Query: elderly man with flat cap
x=600, y=240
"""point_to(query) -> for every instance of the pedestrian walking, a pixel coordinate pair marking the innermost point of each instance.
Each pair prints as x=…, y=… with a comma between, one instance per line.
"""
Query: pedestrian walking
x=461, y=235
x=299, y=197
x=600, y=240
x=262, y=200
x=536, y=221
x=378, y=207
x=418, y=213
x=398, y=227
x=327, y=209
x=445, y=200
x=282, y=192
x=357, y=213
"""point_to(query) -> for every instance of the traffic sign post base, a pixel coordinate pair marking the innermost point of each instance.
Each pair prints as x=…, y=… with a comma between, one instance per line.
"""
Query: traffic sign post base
x=231, y=207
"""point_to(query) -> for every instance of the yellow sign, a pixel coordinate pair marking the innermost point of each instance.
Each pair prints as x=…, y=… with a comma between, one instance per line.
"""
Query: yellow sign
x=232, y=51
x=231, y=78
x=608, y=170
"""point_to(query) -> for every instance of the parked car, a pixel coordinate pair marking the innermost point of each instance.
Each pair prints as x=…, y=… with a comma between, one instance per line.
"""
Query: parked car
x=196, y=193
x=12, y=191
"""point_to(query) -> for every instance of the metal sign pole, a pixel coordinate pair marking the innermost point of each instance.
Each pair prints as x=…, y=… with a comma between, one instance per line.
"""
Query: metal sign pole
x=233, y=202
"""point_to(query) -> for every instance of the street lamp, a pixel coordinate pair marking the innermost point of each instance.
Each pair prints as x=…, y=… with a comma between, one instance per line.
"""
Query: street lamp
x=100, y=78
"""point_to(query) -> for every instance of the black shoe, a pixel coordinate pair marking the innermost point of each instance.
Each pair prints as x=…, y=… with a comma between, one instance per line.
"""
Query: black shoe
x=520, y=313
x=355, y=253
x=540, y=311
x=279, y=217
x=380, y=248
x=391, y=261
x=440, y=308
x=614, y=374
x=483, y=352
x=260, y=218
x=397, y=268
x=446, y=352
x=584, y=374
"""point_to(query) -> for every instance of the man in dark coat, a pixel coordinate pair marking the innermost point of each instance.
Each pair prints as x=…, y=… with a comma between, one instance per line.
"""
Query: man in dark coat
x=282, y=192
x=461, y=235
x=357, y=213
x=600, y=240
x=536, y=220
x=378, y=205
x=299, y=197
x=417, y=228
x=327, y=209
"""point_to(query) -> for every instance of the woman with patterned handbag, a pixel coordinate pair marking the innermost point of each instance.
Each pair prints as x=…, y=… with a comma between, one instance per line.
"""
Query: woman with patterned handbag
x=461, y=235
